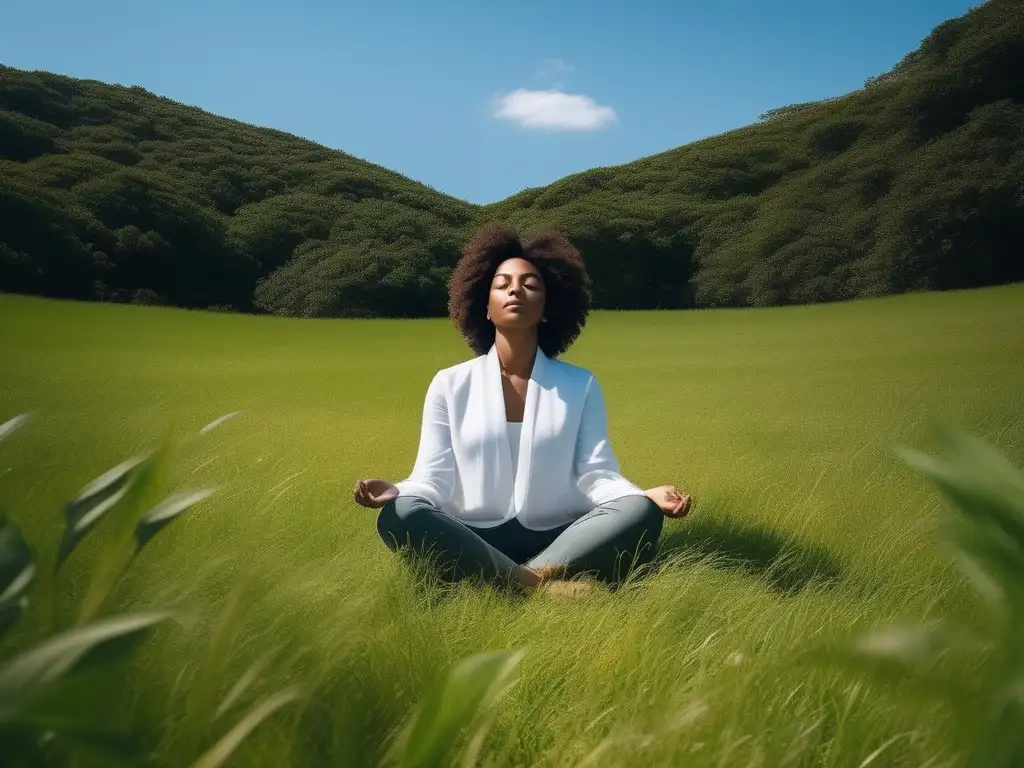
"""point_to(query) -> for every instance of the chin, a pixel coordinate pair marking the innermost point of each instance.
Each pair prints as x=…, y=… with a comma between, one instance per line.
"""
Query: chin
x=515, y=321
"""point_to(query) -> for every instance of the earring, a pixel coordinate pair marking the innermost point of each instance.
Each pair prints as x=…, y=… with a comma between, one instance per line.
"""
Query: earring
x=543, y=319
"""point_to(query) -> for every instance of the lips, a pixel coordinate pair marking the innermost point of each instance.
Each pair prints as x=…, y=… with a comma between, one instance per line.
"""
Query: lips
x=513, y=303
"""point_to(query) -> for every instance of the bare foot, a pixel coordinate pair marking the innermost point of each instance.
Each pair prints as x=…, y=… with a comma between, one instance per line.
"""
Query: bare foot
x=547, y=581
x=566, y=588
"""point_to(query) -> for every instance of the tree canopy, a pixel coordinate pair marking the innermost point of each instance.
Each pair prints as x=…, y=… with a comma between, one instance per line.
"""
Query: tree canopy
x=913, y=182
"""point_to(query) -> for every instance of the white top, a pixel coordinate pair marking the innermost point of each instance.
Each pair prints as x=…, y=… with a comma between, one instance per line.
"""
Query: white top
x=515, y=429
x=565, y=465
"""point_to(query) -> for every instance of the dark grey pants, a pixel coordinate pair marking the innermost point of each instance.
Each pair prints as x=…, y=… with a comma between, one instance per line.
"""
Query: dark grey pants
x=608, y=542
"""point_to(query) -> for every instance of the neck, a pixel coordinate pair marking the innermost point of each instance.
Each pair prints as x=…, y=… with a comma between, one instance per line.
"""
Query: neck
x=516, y=351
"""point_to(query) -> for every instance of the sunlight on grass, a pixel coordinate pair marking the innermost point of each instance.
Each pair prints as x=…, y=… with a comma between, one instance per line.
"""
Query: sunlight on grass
x=808, y=526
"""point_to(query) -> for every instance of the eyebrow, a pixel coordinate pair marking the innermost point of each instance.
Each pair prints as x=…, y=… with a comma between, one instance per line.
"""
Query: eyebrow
x=524, y=274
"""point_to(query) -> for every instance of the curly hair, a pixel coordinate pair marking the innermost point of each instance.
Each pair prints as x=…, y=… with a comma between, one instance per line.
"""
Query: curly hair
x=566, y=284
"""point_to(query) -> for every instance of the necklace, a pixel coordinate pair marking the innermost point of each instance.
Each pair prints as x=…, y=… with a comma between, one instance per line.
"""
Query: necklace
x=504, y=370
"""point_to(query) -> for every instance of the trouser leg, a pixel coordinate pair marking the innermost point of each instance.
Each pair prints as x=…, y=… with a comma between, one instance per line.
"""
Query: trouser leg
x=608, y=542
x=410, y=521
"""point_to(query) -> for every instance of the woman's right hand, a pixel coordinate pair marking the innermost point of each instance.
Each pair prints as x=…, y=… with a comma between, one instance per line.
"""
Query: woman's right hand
x=374, y=493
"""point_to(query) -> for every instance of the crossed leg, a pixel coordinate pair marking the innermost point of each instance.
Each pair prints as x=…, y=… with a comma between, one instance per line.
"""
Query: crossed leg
x=608, y=542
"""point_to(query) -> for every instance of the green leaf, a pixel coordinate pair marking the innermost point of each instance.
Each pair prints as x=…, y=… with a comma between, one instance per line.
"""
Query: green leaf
x=450, y=706
x=987, y=533
x=35, y=670
x=901, y=654
x=17, y=571
x=11, y=425
x=222, y=750
x=120, y=547
x=17, y=586
x=910, y=646
x=94, y=501
x=983, y=484
x=16, y=561
x=164, y=512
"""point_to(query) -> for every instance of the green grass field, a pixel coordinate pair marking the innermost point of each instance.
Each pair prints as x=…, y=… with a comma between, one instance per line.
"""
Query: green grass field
x=781, y=422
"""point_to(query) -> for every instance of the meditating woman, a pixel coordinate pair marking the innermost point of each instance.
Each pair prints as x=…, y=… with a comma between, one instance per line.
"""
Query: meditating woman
x=515, y=479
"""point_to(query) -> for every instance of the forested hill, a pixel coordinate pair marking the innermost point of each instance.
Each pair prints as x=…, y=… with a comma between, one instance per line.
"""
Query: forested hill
x=113, y=193
x=915, y=181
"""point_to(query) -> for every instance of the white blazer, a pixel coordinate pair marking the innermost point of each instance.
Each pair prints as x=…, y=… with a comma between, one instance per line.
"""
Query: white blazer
x=566, y=465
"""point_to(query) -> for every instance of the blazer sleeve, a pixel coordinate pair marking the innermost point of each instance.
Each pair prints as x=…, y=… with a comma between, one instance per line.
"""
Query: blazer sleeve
x=433, y=474
x=597, y=469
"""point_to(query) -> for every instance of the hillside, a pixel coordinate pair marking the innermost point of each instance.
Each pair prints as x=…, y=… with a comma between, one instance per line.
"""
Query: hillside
x=913, y=182
x=113, y=193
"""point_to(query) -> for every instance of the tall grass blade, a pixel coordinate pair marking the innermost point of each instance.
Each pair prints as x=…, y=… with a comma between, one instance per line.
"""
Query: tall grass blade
x=594, y=755
x=878, y=752
x=250, y=676
x=95, y=500
x=200, y=706
x=17, y=586
x=986, y=535
x=913, y=647
x=35, y=670
x=166, y=511
x=987, y=532
x=902, y=655
x=17, y=572
x=10, y=426
x=472, y=687
x=119, y=549
x=222, y=750
x=218, y=421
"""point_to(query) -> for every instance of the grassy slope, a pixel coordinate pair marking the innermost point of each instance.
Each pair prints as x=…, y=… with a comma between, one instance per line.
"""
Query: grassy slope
x=779, y=420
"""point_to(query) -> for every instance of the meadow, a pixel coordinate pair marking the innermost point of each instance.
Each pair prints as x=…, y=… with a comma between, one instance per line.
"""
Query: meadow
x=782, y=422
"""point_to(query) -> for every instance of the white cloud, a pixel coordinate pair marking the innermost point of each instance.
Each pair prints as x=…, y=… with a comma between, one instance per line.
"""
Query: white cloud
x=553, y=110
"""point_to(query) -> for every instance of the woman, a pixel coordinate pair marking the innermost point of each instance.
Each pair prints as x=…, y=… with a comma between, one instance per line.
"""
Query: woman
x=515, y=478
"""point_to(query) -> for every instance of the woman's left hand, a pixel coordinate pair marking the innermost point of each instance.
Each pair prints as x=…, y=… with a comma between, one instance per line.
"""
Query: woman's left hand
x=671, y=501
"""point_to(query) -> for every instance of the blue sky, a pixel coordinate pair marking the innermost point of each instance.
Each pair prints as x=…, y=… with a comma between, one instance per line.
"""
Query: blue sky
x=478, y=99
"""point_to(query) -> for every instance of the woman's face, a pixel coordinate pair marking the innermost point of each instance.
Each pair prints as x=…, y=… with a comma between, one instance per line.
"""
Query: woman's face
x=517, y=295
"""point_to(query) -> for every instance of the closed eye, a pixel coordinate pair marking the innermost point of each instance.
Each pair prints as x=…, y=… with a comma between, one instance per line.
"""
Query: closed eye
x=531, y=284
x=529, y=281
